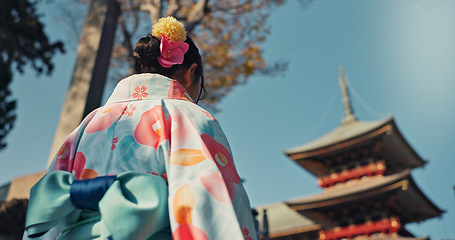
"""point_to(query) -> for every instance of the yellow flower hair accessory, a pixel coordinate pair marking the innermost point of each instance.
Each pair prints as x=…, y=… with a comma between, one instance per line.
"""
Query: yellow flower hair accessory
x=171, y=28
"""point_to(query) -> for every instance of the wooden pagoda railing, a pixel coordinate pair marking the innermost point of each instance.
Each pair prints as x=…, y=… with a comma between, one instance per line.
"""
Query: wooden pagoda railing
x=385, y=226
x=372, y=169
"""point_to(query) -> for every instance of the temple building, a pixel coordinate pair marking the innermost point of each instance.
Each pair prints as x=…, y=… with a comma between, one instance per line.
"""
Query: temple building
x=368, y=192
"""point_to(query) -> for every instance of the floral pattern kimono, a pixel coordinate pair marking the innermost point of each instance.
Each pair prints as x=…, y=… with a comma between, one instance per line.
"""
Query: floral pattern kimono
x=151, y=125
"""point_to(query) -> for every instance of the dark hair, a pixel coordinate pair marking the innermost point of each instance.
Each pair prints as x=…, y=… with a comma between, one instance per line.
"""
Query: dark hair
x=147, y=51
x=146, y=55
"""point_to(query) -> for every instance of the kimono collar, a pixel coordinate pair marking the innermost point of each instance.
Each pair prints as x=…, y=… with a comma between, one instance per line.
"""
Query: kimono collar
x=148, y=86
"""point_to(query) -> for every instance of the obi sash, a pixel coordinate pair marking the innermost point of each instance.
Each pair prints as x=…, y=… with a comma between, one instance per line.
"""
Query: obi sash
x=134, y=206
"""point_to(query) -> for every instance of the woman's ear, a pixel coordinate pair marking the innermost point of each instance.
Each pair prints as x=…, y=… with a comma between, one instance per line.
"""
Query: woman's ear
x=188, y=75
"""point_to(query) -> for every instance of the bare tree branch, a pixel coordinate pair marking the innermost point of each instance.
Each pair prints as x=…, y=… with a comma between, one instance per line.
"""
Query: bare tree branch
x=231, y=7
x=154, y=7
x=194, y=18
x=173, y=7
x=126, y=43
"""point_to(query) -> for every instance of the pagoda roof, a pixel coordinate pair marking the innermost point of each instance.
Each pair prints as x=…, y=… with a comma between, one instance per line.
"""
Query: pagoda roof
x=347, y=130
x=353, y=133
x=283, y=220
x=409, y=197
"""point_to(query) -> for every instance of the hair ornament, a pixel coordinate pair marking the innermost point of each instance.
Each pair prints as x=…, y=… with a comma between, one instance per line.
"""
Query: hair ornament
x=171, y=52
x=171, y=28
x=172, y=35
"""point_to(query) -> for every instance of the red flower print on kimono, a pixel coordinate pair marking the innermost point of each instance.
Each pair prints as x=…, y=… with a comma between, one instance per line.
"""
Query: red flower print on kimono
x=114, y=141
x=213, y=182
x=208, y=115
x=218, y=153
x=105, y=117
x=246, y=234
x=189, y=232
x=164, y=175
x=63, y=157
x=77, y=166
x=67, y=151
x=129, y=110
x=140, y=92
x=181, y=133
x=177, y=91
x=153, y=128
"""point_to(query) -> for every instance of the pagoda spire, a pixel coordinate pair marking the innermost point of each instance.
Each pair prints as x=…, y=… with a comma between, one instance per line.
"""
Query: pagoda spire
x=348, y=112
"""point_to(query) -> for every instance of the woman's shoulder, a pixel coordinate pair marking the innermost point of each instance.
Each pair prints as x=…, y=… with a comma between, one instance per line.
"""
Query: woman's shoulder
x=189, y=109
x=191, y=114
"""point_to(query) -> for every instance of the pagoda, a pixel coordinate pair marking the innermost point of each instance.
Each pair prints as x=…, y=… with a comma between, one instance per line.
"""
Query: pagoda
x=368, y=192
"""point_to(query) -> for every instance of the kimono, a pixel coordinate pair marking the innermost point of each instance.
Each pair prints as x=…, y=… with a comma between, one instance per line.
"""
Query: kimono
x=151, y=125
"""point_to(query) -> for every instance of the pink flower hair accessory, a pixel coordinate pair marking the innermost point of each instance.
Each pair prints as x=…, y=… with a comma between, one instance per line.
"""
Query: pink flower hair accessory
x=172, y=52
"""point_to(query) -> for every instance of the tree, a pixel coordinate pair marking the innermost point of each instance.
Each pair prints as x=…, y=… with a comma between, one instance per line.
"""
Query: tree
x=229, y=34
x=12, y=218
x=22, y=41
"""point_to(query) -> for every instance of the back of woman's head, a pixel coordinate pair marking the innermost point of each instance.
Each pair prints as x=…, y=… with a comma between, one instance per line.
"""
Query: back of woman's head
x=146, y=55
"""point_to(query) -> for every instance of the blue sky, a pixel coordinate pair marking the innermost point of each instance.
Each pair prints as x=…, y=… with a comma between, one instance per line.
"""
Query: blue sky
x=398, y=55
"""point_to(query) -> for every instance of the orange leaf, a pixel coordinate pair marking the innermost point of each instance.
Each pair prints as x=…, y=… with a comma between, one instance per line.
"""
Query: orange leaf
x=183, y=205
x=61, y=151
x=88, y=174
x=187, y=157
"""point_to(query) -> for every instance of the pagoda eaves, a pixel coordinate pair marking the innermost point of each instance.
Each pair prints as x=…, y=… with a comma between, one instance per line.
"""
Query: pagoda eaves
x=407, y=199
x=342, y=133
x=357, y=134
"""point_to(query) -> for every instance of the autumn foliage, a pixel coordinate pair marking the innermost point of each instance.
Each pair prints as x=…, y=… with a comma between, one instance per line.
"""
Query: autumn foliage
x=229, y=33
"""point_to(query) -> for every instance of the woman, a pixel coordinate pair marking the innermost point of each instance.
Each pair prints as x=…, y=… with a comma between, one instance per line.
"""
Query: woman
x=172, y=171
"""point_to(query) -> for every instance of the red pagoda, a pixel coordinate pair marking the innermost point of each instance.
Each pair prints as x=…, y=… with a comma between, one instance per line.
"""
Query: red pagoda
x=368, y=191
